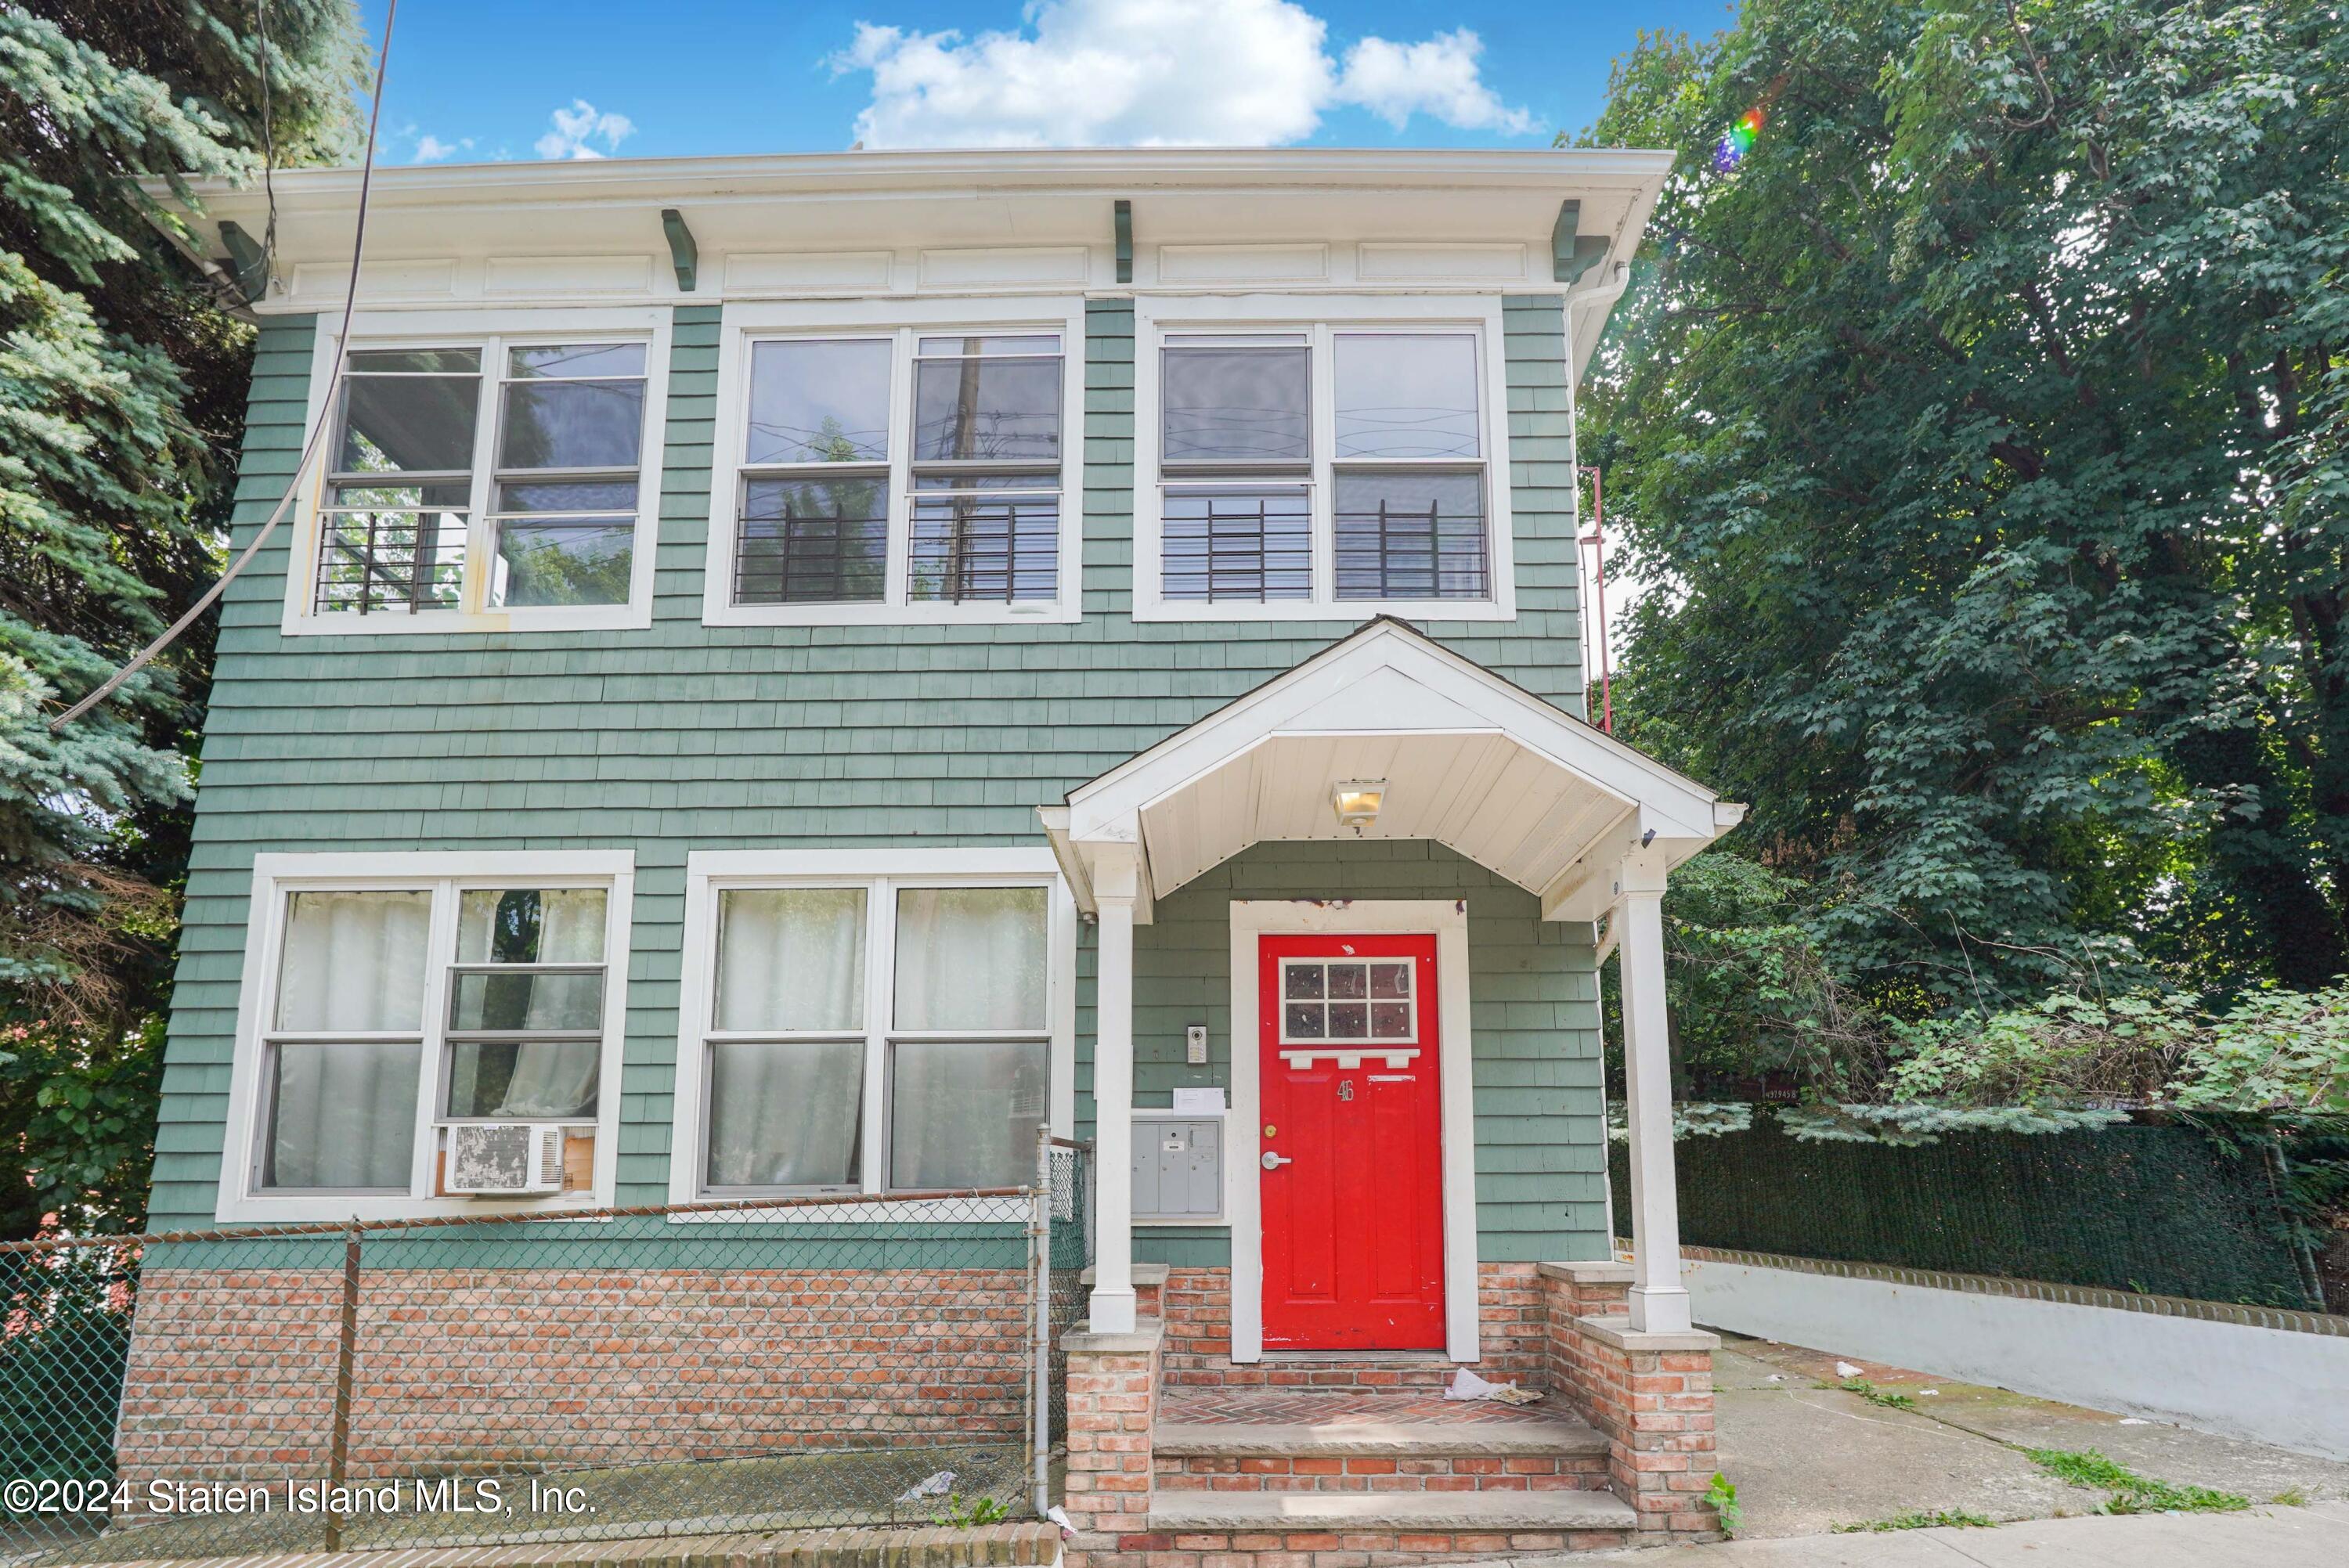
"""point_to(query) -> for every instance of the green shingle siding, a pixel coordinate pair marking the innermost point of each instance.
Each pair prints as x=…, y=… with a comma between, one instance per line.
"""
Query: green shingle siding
x=686, y=737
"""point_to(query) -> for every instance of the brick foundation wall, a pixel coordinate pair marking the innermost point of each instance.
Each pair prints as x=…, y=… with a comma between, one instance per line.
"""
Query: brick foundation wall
x=1650, y=1394
x=232, y=1371
x=1511, y=1314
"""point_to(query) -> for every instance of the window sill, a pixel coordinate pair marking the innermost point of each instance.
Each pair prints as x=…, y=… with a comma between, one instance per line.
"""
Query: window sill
x=459, y=623
x=330, y=1209
x=1341, y=611
x=877, y=1208
x=1042, y=611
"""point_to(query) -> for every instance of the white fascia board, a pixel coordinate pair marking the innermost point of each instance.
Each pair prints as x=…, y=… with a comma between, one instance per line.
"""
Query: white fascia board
x=945, y=173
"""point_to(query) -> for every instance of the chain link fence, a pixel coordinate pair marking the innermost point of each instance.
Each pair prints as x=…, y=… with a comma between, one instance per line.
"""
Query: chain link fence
x=596, y=1375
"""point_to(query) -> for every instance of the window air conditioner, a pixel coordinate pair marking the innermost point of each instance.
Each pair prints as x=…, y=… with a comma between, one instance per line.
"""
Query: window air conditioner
x=504, y=1159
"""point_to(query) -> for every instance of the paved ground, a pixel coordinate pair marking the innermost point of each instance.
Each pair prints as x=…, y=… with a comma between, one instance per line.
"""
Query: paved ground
x=2316, y=1536
x=1808, y=1458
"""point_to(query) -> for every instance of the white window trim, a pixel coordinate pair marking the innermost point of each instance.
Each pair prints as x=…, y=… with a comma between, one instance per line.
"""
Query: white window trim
x=1321, y=317
x=277, y=875
x=451, y=328
x=879, y=870
x=744, y=322
x=1447, y=921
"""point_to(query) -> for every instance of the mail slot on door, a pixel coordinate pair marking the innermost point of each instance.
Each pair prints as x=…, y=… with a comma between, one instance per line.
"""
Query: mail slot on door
x=1178, y=1168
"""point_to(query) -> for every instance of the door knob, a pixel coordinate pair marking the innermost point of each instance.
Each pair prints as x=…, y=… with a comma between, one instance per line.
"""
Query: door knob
x=1275, y=1161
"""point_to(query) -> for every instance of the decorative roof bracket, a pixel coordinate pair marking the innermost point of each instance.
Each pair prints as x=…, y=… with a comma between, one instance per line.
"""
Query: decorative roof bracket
x=1572, y=254
x=683, y=254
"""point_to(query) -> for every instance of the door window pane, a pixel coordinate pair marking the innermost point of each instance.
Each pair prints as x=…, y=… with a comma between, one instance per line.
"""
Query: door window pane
x=1406, y=533
x=341, y=1116
x=965, y=1115
x=821, y=402
x=1227, y=403
x=970, y=959
x=539, y=1080
x=354, y=963
x=972, y=402
x=790, y=959
x=1405, y=396
x=785, y=1114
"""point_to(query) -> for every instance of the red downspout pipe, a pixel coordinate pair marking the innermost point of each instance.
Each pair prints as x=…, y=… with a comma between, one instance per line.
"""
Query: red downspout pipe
x=1597, y=540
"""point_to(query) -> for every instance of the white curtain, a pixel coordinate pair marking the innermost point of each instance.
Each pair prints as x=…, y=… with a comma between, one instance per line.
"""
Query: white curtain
x=970, y=958
x=785, y=1113
x=790, y=959
x=354, y=963
x=344, y=1115
x=551, y=1078
x=964, y=1113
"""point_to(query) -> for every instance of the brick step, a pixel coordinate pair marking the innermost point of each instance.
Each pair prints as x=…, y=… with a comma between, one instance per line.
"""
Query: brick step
x=1457, y=1523
x=1560, y=1454
x=1314, y=1370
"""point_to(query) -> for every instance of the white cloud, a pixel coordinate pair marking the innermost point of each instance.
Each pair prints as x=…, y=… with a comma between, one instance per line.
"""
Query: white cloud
x=582, y=123
x=430, y=149
x=1230, y=73
x=1437, y=77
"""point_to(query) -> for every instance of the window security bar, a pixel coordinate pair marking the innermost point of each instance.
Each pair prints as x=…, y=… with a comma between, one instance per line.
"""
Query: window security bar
x=379, y=561
x=1397, y=553
x=965, y=549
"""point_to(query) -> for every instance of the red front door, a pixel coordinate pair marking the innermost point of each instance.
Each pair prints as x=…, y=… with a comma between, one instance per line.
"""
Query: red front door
x=1352, y=1172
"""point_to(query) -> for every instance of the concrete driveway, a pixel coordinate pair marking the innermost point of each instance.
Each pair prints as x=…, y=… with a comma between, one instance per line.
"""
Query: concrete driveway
x=1808, y=1459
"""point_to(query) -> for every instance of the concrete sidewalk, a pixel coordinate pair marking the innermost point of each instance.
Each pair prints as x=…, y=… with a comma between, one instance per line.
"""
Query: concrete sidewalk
x=2315, y=1536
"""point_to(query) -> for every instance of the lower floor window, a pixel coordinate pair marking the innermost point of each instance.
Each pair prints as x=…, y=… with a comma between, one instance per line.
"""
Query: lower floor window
x=395, y=1014
x=874, y=1035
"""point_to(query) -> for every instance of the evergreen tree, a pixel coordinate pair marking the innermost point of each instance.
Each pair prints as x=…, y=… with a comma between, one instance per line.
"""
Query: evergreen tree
x=1983, y=425
x=123, y=380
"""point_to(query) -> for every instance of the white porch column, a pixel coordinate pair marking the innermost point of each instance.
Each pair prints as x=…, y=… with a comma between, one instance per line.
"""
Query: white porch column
x=1116, y=879
x=1659, y=1303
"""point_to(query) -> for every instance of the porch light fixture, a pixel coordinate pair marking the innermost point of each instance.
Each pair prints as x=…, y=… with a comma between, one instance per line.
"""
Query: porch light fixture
x=1357, y=802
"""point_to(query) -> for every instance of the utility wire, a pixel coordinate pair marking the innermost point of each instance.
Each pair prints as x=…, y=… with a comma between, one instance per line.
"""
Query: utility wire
x=269, y=145
x=309, y=447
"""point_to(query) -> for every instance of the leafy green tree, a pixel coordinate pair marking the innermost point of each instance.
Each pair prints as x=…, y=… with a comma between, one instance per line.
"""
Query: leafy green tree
x=1983, y=426
x=122, y=379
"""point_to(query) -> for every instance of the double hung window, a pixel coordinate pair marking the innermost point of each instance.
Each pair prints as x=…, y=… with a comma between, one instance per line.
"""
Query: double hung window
x=506, y=476
x=1324, y=468
x=874, y=1034
x=392, y=1008
x=911, y=467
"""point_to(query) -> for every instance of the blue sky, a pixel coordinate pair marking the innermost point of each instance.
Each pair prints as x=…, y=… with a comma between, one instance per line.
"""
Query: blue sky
x=472, y=82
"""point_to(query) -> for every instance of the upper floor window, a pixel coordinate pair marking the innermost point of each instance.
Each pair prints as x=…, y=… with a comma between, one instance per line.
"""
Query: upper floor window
x=908, y=472
x=1327, y=469
x=477, y=480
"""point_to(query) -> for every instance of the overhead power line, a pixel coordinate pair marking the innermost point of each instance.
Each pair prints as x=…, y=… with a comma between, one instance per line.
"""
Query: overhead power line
x=334, y=376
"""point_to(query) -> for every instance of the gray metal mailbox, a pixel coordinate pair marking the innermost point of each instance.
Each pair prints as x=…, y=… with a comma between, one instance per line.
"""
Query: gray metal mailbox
x=1179, y=1167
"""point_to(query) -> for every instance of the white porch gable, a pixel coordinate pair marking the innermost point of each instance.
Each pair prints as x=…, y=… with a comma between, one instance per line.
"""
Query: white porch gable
x=1469, y=760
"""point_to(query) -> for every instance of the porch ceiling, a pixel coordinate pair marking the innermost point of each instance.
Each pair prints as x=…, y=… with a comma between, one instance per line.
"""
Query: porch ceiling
x=1496, y=801
x=1470, y=760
